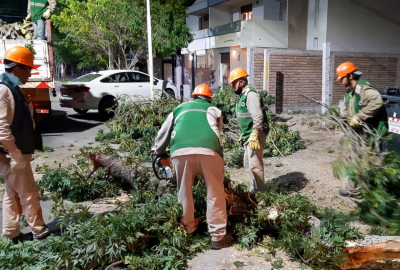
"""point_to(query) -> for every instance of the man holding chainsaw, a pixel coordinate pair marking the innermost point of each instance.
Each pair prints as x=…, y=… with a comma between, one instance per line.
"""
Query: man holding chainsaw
x=193, y=132
x=362, y=104
x=253, y=124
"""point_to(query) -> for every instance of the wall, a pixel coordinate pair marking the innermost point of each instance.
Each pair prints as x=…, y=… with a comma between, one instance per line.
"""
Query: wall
x=382, y=72
x=238, y=58
x=255, y=33
x=302, y=74
x=271, y=9
x=220, y=15
x=364, y=25
x=258, y=71
x=298, y=18
x=193, y=23
x=317, y=25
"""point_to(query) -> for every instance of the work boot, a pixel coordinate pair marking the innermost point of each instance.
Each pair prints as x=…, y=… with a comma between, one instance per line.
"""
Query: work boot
x=42, y=234
x=223, y=243
x=347, y=194
x=22, y=237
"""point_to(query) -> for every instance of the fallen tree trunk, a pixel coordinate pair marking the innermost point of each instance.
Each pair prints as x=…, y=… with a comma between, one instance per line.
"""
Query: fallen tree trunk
x=370, y=249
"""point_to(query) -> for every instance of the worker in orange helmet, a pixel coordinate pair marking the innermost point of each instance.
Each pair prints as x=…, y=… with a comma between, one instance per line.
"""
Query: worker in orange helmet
x=253, y=124
x=193, y=131
x=19, y=138
x=362, y=104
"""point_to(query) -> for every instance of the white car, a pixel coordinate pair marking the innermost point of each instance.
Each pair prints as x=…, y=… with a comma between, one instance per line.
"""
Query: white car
x=99, y=90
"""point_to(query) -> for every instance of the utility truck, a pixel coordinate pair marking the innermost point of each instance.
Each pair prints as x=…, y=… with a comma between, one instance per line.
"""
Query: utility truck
x=41, y=84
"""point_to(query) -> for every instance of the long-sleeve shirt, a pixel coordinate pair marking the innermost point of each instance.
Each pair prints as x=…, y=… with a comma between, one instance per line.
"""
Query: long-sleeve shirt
x=7, y=111
x=51, y=6
x=254, y=106
x=370, y=101
x=163, y=139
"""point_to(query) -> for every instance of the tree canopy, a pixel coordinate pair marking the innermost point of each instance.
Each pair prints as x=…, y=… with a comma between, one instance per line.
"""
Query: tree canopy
x=114, y=33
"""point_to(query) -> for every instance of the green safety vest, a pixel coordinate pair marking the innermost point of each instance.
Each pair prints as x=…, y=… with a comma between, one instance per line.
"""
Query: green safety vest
x=244, y=117
x=38, y=8
x=192, y=129
x=380, y=121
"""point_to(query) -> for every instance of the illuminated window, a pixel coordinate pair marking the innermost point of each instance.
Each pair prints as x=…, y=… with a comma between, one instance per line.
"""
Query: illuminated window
x=247, y=12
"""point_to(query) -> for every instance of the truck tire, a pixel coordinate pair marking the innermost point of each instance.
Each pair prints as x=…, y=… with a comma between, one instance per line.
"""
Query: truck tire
x=80, y=111
x=106, y=103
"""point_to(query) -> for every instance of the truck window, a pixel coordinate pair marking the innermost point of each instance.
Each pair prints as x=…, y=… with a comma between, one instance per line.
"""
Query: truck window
x=86, y=78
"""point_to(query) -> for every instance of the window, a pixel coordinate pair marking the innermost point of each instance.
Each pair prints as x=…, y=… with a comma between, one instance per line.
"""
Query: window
x=116, y=78
x=86, y=78
x=247, y=12
x=138, y=77
x=201, y=61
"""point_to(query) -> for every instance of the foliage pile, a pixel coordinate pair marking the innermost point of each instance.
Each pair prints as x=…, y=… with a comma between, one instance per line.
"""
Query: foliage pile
x=135, y=127
x=146, y=234
x=376, y=174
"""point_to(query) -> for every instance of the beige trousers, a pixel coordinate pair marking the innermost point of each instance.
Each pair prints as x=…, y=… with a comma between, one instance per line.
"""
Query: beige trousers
x=212, y=169
x=21, y=196
x=254, y=165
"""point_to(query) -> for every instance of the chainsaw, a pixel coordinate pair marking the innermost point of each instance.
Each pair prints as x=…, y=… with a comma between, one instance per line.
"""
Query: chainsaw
x=162, y=167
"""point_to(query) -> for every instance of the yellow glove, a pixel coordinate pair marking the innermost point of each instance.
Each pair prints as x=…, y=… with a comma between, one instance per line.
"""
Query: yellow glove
x=253, y=141
x=47, y=14
x=354, y=121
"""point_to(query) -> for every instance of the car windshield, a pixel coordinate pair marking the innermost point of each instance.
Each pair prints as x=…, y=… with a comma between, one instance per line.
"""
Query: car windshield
x=86, y=78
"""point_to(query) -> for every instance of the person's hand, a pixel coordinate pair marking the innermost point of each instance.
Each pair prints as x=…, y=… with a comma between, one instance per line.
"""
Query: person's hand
x=253, y=141
x=28, y=18
x=354, y=121
x=47, y=14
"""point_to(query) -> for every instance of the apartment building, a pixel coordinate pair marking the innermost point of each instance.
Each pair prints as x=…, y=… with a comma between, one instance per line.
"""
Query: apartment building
x=289, y=46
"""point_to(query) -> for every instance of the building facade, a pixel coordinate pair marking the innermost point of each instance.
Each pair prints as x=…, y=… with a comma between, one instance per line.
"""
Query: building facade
x=291, y=47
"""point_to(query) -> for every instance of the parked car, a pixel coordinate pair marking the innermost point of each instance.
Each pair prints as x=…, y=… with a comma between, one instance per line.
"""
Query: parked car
x=99, y=90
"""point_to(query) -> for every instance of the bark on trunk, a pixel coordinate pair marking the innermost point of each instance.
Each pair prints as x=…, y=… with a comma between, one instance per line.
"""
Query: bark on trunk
x=370, y=249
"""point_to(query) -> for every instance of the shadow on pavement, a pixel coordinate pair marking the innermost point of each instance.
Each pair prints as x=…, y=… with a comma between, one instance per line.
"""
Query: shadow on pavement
x=60, y=122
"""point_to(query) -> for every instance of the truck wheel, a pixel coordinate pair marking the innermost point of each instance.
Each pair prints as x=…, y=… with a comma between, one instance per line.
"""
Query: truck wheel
x=80, y=111
x=106, y=103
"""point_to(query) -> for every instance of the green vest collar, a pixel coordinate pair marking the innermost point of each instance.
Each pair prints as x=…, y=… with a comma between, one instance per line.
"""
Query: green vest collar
x=10, y=80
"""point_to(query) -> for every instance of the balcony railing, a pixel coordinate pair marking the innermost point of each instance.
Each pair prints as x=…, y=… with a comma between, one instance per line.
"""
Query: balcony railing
x=200, y=34
x=224, y=29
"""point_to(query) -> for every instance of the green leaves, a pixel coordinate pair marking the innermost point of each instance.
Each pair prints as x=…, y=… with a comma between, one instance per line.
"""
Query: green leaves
x=114, y=32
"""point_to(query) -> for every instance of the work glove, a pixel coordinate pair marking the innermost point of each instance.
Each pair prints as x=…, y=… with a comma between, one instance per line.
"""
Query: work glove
x=28, y=18
x=354, y=121
x=253, y=141
x=47, y=14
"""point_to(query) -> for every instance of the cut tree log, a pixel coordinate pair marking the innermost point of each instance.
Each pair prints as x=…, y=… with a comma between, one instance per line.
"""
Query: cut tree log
x=370, y=249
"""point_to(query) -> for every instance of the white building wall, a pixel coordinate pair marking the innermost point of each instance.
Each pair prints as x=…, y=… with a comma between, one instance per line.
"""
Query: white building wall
x=364, y=25
x=220, y=15
x=317, y=23
x=193, y=23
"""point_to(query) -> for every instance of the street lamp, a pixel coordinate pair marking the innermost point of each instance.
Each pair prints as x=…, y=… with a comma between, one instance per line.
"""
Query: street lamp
x=150, y=61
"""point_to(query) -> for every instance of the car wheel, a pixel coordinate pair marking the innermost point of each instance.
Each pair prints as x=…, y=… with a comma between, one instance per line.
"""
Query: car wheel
x=80, y=111
x=106, y=104
x=170, y=93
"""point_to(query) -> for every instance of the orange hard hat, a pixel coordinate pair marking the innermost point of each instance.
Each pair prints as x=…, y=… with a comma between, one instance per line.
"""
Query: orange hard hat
x=20, y=55
x=202, y=90
x=346, y=68
x=237, y=73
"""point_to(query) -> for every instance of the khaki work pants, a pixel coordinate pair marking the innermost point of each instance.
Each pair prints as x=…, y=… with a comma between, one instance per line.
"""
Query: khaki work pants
x=254, y=165
x=212, y=169
x=21, y=196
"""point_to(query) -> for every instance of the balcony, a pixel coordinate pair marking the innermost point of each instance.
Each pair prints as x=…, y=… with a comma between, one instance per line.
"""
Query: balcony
x=215, y=2
x=224, y=29
x=200, y=34
x=199, y=8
